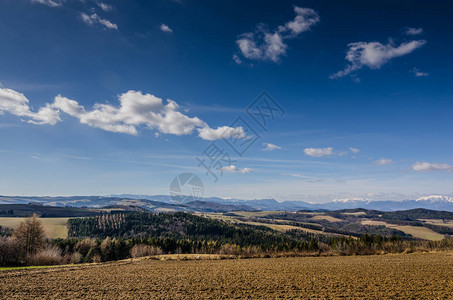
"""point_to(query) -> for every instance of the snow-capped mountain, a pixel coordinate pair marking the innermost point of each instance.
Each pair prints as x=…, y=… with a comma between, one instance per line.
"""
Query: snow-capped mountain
x=435, y=202
x=436, y=198
x=350, y=200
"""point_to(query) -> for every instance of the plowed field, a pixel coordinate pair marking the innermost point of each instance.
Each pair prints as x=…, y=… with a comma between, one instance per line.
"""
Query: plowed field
x=403, y=276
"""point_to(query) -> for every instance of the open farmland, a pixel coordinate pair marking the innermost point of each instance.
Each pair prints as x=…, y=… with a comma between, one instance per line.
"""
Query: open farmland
x=53, y=227
x=438, y=222
x=279, y=225
x=415, y=231
x=403, y=276
x=326, y=217
x=411, y=224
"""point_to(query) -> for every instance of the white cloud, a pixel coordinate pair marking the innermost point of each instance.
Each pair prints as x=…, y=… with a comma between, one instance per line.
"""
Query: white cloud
x=105, y=7
x=418, y=73
x=209, y=134
x=305, y=18
x=17, y=104
x=135, y=109
x=95, y=19
x=383, y=162
x=354, y=150
x=51, y=3
x=270, y=46
x=234, y=169
x=426, y=166
x=271, y=147
x=298, y=175
x=237, y=59
x=165, y=28
x=413, y=31
x=319, y=152
x=374, y=54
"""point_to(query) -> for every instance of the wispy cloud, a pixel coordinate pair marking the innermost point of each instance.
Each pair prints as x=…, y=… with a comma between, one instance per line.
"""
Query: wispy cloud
x=383, y=162
x=266, y=45
x=51, y=3
x=297, y=175
x=418, y=73
x=165, y=28
x=374, y=55
x=136, y=109
x=354, y=150
x=426, y=166
x=413, y=31
x=237, y=59
x=319, y=152
x=234, y=169
x=271, y=147
x=95, y=19
x=105, y=7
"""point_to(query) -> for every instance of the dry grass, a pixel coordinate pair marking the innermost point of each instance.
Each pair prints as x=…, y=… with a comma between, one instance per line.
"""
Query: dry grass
x=278, y=227
x=163, y=209
x=415, y=231
x=359, y=213
x=250, y=214
x=53, y=227
x=326, y=217
x=143, y=250
x=438, y=222
x=48, y=256
x=403, y=276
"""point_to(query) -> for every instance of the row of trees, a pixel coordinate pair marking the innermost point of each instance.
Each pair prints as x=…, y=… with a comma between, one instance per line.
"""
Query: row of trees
x=187, y=229
x=28, y=245
x=88, y=250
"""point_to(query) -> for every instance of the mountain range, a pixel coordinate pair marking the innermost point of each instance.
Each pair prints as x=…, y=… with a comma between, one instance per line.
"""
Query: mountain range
x=165, y=202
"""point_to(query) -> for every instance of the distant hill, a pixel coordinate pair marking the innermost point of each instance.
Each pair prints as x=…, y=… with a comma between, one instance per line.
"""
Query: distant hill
x=418, y=213
x=115, y=220
x=216, y=207
x=165, y=203
x=434, y=202
x=26, y=210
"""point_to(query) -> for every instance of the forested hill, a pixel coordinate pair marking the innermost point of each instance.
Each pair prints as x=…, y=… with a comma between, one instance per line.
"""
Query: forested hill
x=181, y=226
x=26, y=210
x=418, y=213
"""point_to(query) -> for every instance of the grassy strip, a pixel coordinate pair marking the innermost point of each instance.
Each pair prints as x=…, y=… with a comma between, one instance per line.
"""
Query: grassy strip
x=33, y=267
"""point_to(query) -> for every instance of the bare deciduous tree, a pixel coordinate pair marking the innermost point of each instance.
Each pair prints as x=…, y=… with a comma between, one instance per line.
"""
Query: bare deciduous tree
x=30, y=235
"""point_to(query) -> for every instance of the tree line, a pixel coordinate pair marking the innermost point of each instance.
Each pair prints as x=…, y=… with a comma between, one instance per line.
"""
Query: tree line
x=121, y=236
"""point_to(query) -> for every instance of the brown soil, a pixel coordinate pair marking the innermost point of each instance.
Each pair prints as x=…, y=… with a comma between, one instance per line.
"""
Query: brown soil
x=402, y=276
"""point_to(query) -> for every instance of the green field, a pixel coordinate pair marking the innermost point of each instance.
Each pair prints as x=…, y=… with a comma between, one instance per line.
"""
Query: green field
x=53, y=227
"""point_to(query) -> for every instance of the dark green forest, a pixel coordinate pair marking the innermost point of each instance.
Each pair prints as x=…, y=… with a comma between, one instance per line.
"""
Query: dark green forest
x=183, y=226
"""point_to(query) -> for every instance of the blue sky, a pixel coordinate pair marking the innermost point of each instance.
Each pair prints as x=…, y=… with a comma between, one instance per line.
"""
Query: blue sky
x=366, y=88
